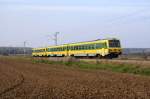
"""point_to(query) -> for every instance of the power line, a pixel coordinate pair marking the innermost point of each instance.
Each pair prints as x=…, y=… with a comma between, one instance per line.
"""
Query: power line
x=126, y=16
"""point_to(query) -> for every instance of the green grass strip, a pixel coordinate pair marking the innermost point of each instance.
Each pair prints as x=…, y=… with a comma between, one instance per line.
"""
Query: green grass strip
x=122, y=68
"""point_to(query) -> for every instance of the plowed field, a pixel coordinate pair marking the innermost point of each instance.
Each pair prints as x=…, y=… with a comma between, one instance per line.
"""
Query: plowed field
x=23, y=79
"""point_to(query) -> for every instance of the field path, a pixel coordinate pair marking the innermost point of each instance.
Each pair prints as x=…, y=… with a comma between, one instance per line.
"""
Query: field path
x=22, y=79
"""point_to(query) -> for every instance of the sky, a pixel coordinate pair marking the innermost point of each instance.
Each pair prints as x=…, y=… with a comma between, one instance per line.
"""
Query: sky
x=36, y=21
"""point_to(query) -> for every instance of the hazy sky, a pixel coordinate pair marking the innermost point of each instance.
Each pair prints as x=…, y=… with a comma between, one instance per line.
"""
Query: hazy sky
x=35, y=21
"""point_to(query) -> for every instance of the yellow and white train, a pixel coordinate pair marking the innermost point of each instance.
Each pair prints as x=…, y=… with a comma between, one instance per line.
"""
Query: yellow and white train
x=110, y=48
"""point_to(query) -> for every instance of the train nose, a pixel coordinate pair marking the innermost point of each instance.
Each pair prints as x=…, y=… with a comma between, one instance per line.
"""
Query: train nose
x=114, y=50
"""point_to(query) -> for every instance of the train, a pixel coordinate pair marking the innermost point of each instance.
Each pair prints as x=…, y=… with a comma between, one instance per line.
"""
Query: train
x=101, y=48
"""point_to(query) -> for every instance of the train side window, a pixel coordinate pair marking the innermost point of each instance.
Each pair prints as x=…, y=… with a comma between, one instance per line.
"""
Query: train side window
x=89, y=47
x=92, y=46
x=69, y=47
x=72, y=47
x=82, y=47
x=98, y=45
x=64, y=48
x=79, y=47
x=86, y=47
x=48, y=49
x=76, y=47
x=104, y=45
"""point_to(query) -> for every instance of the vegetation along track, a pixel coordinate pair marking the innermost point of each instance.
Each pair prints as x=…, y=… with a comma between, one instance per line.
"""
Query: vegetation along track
x=57, y=81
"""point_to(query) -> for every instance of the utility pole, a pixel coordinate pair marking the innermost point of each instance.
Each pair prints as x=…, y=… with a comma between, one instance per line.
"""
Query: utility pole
x=24, y=48
x=56, y=38
x=9, y=53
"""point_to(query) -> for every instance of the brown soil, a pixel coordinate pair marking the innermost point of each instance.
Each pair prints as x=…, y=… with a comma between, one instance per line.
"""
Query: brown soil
x=22, y=79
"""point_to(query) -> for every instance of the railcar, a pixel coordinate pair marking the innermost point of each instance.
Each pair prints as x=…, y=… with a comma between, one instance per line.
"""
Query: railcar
x=109, y=48
x=39, y=52
x=61, y=50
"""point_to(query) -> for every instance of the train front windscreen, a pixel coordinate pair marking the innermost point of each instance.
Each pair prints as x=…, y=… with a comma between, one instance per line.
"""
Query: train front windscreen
x=114, y=44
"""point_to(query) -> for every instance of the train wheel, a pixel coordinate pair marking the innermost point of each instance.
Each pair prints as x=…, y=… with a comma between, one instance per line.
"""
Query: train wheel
x=99, y=56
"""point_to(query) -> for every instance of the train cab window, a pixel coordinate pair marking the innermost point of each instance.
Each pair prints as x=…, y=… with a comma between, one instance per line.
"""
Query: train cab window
x=114, y=43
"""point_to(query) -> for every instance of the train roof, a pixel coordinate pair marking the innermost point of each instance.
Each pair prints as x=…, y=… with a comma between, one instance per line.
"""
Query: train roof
x=79, y=42
x=94, y=40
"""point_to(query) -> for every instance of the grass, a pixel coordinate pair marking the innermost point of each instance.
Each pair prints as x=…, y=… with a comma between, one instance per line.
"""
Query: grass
x=122, y=68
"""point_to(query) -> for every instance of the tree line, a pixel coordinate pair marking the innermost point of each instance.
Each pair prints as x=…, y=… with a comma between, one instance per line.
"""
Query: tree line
x=15, y=51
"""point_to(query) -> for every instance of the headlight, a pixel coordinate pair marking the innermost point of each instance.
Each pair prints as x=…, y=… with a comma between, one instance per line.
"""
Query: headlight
x=110, y=50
